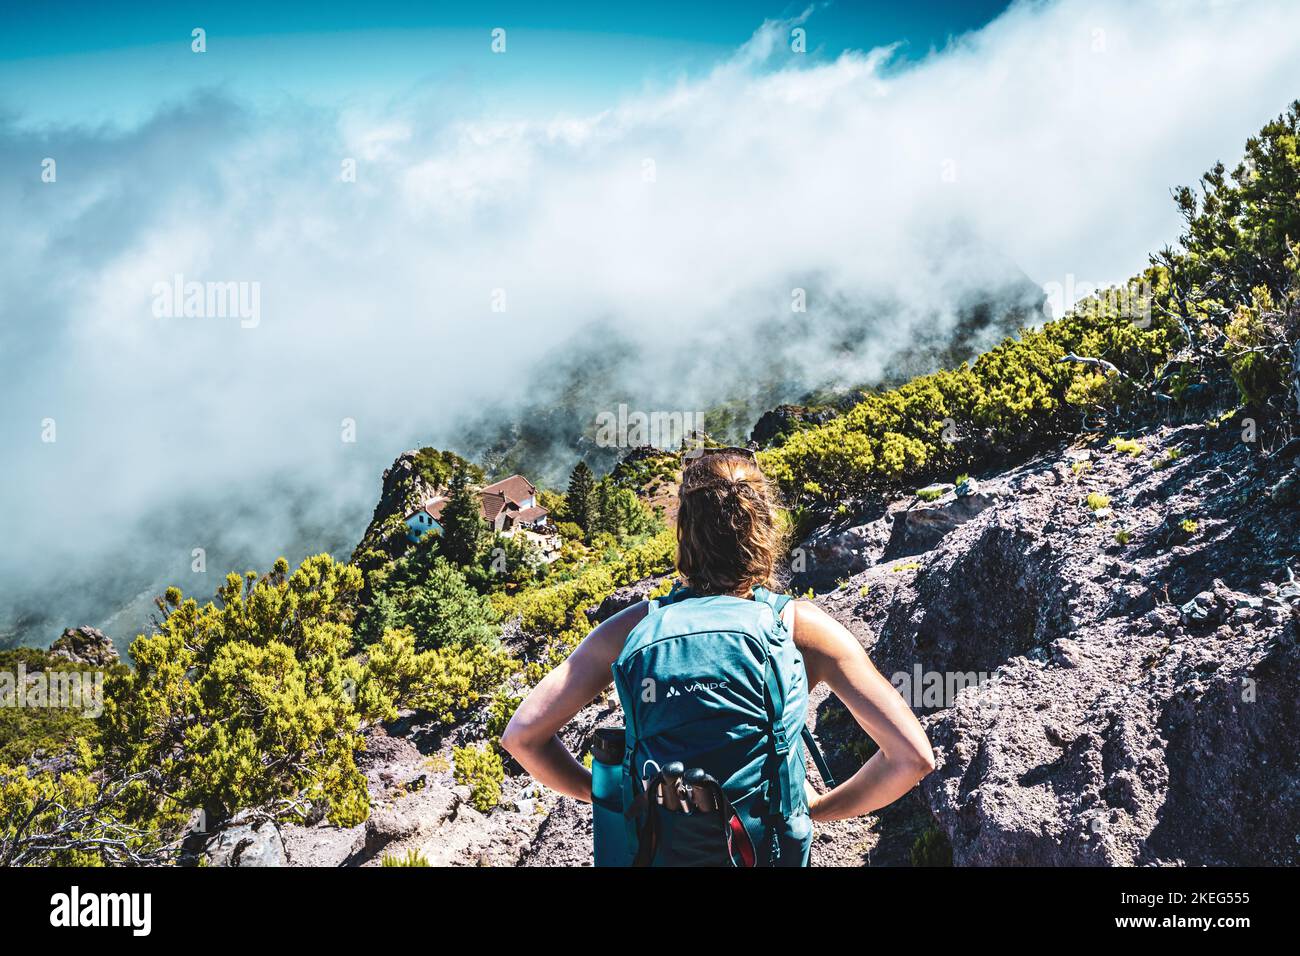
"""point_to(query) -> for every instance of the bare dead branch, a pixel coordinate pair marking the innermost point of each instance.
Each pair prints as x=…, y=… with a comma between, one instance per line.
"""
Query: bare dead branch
x=1109, y=367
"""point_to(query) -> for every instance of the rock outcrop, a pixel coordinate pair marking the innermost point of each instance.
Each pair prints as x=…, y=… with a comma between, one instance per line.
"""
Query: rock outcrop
x=404, y=489
x=418, y=809
x=85, y=645
x=1115, y=692
x=786, y=419
x=244, y=842
x=624, y=598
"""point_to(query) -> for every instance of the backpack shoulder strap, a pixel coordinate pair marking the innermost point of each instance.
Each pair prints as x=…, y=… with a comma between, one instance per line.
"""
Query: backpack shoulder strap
x=780, y=800
x=777, y=602
x=680, y=592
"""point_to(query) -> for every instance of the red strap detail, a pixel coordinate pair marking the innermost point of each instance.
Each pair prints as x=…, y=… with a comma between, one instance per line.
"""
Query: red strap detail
x=739, y=837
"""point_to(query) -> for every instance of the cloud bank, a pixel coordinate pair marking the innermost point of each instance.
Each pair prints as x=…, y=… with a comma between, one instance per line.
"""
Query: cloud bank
x=441, y=281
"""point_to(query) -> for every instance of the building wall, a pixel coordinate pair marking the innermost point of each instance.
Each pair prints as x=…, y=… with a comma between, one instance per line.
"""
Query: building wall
x=418, y=523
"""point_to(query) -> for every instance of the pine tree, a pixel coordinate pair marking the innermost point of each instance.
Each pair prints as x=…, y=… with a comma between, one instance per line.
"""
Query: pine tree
x=579, y=495
x=464, y=531
x=602, y=519
x=374, y=620
x=444, y=610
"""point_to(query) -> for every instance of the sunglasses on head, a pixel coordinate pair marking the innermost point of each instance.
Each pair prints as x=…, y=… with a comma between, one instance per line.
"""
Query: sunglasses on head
x=694, y=454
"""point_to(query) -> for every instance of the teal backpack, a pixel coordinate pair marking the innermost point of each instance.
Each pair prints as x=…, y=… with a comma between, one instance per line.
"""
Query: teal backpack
x=717, y=683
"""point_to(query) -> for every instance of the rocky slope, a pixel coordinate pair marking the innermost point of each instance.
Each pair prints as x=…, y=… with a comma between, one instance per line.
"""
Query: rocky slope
x=1130, y=668
x=1141, y=659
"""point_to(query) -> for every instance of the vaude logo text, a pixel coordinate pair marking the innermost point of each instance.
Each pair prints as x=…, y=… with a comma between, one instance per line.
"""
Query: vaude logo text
x=208, y=300
x=649, y=688
x=73, y=909
x=695, y=687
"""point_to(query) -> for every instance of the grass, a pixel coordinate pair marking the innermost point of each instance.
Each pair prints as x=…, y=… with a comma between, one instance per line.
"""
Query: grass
x=1171, y=456
x=412, y=858
x=1126, y=446
x=1097, y=501
x=438, y=764
x=932, y=848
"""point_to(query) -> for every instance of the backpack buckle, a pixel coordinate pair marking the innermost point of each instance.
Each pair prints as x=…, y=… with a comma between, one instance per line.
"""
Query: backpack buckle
x=782, y=742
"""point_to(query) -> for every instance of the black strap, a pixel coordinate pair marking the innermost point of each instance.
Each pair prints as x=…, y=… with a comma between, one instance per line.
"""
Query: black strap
x=823, y=768
x=646, y=807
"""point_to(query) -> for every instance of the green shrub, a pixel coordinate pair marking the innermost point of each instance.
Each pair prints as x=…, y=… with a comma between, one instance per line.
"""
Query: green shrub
x=480, y=769
x=437, y=467
x=618, y=512
x=91, y=829
x=447, y=682
x=1097, y=501
x=499, y=712
x=1011, y=398
x=245, y=701
x=28, y=730
x=557, y=610
x=1240, y=241
x=431, y=596
x=254, y=700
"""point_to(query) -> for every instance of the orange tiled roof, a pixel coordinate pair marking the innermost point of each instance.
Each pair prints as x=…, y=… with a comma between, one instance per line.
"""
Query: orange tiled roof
x=515, y=488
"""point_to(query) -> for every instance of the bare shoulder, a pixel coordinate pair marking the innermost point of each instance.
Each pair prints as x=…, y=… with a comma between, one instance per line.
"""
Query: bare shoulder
x=816, y=631
x=608, y=637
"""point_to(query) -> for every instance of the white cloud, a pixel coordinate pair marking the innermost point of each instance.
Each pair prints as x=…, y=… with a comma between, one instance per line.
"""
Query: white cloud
x=1063, y=126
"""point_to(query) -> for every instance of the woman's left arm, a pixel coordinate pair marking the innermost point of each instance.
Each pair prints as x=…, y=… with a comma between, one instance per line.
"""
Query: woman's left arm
x=833, y=655
x=530, y=737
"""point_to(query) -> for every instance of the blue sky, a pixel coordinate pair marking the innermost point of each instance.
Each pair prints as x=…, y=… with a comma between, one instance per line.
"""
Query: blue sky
x=92, y=63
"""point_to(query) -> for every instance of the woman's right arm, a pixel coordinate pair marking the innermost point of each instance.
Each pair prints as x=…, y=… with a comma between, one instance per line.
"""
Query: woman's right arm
x=531, y=736
x=833, y=655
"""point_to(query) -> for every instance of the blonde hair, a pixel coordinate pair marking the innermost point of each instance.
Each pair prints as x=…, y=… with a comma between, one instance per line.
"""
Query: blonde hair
x=729, y=532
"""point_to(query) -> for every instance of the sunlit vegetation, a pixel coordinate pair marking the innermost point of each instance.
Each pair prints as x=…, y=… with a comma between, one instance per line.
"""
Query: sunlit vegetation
x=1126, y=446
x=480, y=769
x=410, y=858
x=1213, y=312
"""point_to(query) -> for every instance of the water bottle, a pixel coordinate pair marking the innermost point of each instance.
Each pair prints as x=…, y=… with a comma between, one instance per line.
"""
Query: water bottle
x=608, y=831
